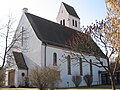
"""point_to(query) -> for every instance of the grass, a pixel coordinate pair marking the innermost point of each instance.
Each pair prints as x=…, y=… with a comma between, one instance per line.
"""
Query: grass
x=55, y=89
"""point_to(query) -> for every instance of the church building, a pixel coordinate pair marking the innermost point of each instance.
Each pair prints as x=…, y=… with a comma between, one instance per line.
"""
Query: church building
x=44, y=43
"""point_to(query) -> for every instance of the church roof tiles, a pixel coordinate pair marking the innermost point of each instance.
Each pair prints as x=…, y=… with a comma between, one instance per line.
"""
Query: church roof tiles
x=70, y=10
x=20, y=61
x=58, y=35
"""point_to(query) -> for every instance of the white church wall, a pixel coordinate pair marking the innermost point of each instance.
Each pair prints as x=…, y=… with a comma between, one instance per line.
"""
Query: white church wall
x=62, y=63
x=21, y=78
x=31, y=44
x=95, y=70
x=71, y=19
x=63, y=14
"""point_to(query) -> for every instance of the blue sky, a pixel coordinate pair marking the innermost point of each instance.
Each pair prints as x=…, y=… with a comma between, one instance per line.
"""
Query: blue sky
x=88, y=10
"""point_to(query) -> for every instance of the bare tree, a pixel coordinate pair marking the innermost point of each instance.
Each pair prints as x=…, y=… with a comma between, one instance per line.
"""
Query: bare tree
x=107, y=38
x=44, y=77
x=8, y=34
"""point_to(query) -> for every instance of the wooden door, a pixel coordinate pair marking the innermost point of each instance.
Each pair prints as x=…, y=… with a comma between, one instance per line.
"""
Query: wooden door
x=11, y=76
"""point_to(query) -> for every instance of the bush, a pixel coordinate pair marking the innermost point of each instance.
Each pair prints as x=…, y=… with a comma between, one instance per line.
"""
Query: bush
x=44, y=77
x=2, y=77
x=88, y=79
x=76, y=80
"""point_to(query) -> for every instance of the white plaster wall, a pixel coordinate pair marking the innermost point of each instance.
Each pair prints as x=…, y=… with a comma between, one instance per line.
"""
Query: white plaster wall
x=31, y=44
x=21, y=79
x=95, y=70
x=62, y=63
x=31, y=49
x=63, y=66
x=63, y=14
x=75, y=19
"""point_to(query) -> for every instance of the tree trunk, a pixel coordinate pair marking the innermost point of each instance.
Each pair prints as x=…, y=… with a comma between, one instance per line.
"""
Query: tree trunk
x=113, y=82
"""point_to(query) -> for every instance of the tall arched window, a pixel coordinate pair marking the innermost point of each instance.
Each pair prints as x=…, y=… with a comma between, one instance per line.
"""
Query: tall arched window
x=61, y=22
x=64, y=22
x=55, y=59
x=91, y=71
x=80, y=64
x=75, y=23
x=69, y=65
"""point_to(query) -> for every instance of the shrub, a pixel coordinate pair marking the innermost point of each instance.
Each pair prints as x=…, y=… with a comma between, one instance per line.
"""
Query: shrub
x=76, y=80
x=2, y=77
x=44, y=77
x=88, y=79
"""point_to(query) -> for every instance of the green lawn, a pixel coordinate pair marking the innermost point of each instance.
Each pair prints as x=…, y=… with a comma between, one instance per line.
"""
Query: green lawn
x=54, y=89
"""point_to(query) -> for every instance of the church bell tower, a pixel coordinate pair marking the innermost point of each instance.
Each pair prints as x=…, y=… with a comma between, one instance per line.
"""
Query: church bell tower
x=67, y=16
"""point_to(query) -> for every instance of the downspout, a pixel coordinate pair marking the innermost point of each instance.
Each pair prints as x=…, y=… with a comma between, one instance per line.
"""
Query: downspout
x=45, y=49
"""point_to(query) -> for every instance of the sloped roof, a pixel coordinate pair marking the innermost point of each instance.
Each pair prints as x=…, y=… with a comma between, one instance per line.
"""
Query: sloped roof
x=70, y=10
x=20, y=61
x=50, y=32
x=59, y=35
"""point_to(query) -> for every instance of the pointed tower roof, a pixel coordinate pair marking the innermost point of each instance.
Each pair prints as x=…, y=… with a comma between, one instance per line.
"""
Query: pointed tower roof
x=70, y=10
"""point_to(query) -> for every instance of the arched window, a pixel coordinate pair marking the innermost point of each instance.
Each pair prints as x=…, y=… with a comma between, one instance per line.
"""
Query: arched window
x=69, y=65
x=80, y=64
x=55, y=59
x=64, y=22
x=91, y=71
x=61, y=22
x=75, y=23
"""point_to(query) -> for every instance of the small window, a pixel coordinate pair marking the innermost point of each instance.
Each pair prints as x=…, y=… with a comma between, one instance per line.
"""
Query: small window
x=61, y=22
x=64, y=22
x=75, y=23
x=55, y=59
x=69, y=65
x=23, y=74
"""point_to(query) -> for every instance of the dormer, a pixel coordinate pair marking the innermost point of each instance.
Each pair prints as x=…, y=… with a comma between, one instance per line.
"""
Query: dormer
x=67, y=16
